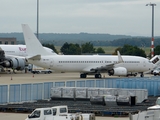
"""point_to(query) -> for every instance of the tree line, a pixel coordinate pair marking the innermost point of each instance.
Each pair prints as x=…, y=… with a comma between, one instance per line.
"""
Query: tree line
x=88, y=48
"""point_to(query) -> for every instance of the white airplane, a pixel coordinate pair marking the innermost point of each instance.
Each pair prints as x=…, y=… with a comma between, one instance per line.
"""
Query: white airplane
x=18, y=50
x=13, y=56
x=85, y=64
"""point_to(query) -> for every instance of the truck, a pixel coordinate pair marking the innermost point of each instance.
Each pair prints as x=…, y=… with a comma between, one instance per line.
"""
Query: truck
x=152, y=113
x=156, y=71
x=58, y=113
x=36, y=70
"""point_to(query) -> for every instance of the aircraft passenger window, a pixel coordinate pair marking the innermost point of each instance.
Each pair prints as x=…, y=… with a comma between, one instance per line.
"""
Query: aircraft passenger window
x=6, y=42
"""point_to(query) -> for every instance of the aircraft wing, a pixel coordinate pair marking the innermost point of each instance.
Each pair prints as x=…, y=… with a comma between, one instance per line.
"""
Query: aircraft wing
x=99, y=68
x=105, y=67
x=14, y=56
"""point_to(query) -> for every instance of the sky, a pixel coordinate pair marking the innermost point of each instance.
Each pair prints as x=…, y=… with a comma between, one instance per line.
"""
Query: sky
x=117, y=17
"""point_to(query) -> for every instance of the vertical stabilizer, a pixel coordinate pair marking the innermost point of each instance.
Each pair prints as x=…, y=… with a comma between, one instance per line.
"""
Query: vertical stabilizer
x=120, y=60
x=34, y=47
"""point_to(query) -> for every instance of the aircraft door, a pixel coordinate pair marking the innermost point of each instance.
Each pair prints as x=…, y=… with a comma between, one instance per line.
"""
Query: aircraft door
x=51, y=63
x=144, y=63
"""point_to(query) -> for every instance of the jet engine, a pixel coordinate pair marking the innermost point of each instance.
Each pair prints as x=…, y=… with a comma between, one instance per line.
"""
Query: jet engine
x=15, y=63
x=119, y=71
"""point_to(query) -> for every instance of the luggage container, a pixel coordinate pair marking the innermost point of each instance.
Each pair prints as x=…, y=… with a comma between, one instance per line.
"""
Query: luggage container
x=56, y=92
x=111, y=91
x=126, y=100
x=141, y=94
x=68, y=92
x=92, y=92
x=110, y=100
x=80, y=93
x=97, y=100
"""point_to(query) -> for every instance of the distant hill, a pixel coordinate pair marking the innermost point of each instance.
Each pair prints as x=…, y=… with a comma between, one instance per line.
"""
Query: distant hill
x=59, y=38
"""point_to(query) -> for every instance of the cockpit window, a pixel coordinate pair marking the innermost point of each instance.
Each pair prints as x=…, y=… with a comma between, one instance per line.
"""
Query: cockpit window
x=155, y=60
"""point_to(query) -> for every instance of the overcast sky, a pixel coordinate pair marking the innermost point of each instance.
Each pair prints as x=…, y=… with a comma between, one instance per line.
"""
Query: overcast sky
x=123, y=17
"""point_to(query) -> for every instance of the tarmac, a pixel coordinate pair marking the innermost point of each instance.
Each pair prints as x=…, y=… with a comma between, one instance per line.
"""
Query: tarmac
x=21, y=116
x=21, y=77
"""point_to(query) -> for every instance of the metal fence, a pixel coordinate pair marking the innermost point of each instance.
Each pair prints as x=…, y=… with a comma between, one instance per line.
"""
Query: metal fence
x=15, y=93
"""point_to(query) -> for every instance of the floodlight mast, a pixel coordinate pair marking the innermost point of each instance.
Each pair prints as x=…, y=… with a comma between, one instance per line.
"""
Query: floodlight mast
x=37, y=18
x=152, y=40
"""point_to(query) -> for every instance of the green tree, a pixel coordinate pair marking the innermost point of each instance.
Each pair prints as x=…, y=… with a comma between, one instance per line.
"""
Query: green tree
x=51, y=46
x=132, y=50
x=64, y=49
x=117, y=49
x=71, y=49
x=74, y=49
x=157, y=50
x=100, y=50
x=87, y=48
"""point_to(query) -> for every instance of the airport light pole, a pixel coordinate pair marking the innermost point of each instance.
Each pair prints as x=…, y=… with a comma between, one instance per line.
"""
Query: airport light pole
x=37, y=18
x=152, y=40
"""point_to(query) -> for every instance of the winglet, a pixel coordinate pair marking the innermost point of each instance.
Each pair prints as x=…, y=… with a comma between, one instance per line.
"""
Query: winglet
x=120, y=60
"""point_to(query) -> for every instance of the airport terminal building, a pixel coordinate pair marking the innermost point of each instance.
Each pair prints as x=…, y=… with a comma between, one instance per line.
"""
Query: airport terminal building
x=10, y=41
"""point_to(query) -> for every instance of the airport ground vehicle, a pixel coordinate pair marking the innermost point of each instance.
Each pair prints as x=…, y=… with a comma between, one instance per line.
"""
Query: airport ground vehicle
x=152, y=113
x=36, y=70
x=156, y=71
x=58, y=113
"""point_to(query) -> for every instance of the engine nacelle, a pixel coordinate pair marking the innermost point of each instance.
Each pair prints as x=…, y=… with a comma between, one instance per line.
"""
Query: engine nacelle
x=120, y=71
x=15, y=63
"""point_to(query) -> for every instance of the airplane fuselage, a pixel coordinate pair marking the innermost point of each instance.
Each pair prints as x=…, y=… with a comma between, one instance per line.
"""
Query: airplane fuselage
x=18, y=50
x=84, y=63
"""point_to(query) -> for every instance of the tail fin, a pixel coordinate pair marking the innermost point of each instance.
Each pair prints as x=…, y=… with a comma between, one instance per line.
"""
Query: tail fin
x=34, y=47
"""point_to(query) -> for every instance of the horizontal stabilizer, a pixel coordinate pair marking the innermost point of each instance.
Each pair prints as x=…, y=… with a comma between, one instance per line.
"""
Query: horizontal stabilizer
x=37, y=57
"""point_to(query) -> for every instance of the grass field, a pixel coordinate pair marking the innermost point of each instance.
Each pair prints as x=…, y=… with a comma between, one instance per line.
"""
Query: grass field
x=110, y=49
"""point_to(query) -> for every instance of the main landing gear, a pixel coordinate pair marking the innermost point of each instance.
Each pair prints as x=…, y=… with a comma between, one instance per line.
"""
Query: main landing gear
x=142, y=75
x=83, y=75
x=98, y=76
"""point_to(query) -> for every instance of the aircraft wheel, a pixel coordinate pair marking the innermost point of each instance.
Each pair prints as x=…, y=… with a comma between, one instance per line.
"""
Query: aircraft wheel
x=142, y=75
x=98, y=76
x=83, y=75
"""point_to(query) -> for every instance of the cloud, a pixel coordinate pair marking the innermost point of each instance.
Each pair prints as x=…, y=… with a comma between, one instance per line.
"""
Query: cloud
x=74, y=16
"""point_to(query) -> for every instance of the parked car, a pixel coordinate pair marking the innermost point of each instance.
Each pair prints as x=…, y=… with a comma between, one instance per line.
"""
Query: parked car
x=156, y=71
